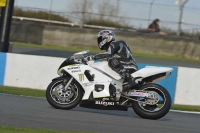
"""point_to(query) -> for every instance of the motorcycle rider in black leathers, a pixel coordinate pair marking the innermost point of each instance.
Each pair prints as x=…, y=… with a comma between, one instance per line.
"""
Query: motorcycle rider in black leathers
x=119, y=57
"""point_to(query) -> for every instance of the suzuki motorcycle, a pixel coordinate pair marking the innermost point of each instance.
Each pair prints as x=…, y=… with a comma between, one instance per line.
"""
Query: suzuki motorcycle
x=93, y=84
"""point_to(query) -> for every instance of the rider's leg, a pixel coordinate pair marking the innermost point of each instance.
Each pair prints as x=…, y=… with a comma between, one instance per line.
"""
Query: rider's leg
x=118, y=67
x=129, y=81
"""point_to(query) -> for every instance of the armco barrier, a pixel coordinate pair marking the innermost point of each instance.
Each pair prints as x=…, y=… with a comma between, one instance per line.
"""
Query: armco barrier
x=169, y=83
x=187, y=87
x=2, y=67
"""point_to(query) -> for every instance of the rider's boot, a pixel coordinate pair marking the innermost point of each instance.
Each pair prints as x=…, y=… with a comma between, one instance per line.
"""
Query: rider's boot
x=129, y=82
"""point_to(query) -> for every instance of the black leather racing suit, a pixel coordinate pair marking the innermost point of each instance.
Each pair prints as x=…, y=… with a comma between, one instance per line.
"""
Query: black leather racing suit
x=119, y=59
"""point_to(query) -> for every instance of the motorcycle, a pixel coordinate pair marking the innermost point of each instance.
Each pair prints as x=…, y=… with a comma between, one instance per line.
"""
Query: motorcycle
x=93, y=84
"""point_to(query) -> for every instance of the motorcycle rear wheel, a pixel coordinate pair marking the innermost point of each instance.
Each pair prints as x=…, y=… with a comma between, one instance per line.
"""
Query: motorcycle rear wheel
x=151, y=111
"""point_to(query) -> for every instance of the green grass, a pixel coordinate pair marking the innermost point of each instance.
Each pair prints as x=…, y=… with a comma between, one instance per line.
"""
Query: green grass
x=22, y=91
x=96, y=50
x=41, y=93
x=8, y=129
x=186, y=107
x=63, y=48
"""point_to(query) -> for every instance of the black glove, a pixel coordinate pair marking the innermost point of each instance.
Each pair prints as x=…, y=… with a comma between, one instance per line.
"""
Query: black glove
x=88, y=58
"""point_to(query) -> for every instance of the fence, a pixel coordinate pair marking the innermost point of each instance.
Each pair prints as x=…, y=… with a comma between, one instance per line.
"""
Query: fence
x=146, y=43
x=137, y=14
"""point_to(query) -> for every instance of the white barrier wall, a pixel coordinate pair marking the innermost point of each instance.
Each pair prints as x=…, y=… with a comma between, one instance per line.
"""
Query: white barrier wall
x=30, y=71
x=188, y=86
x=36, y=72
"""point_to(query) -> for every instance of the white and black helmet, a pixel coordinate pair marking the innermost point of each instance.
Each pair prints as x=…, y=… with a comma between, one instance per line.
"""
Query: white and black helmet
x=104, y=38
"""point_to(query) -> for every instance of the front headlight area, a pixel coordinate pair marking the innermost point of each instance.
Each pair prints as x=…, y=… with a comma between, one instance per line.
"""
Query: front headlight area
x=61, y=72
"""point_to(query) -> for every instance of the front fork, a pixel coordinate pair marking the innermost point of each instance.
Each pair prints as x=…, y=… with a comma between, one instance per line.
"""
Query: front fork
x=65, y=80
x=68, y=83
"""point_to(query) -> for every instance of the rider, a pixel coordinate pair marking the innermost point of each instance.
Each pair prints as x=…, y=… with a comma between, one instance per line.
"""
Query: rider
x=119, y=57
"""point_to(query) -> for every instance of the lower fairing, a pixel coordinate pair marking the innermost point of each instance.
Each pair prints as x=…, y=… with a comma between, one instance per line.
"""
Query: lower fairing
x=104, y=105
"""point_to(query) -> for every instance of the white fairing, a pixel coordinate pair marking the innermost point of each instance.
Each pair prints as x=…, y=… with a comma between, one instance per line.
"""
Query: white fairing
x=103, y=66
x=145, y=72
x=152, y=70
x=105, y=76
x=77, y=71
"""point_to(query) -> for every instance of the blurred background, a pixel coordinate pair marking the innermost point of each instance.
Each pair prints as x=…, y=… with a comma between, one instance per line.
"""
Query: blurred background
x=72, y=25
x=126, y=14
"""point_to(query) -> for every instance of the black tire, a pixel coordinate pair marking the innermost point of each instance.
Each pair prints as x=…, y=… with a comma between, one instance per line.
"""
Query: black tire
x=63, y=106
x=157, y=114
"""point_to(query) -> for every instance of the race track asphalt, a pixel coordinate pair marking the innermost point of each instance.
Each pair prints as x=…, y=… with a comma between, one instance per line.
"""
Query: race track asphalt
x=32, y=112
x=65, y=54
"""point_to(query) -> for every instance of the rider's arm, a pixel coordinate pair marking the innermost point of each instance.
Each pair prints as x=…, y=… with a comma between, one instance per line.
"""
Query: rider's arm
x=102, y=56
x=110, y=52
x=98, y=56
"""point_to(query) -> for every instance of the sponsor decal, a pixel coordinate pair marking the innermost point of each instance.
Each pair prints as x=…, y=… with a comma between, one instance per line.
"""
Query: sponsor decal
x=72, y=68
x=104, y=103
x=74, y=65
x=104, y=99
x=137, y=94
x=81, y=77
x=88, y=84
x=75, y=71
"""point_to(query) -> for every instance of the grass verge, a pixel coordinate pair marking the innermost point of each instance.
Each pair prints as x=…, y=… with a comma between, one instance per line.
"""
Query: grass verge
x=22, y=91
x=8, y=129
x=41, y=93
x=96, y=50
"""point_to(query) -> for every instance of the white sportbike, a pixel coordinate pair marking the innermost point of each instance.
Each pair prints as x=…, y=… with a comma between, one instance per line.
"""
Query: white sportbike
x=93, y=84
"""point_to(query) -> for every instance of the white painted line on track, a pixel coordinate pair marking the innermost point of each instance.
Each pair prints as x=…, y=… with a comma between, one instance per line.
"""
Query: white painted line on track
x=188, y=112
x=177, y=111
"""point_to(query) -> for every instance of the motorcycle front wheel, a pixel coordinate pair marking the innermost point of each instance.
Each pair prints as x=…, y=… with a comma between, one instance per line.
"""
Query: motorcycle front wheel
x=158, y=106
x=61, y=98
